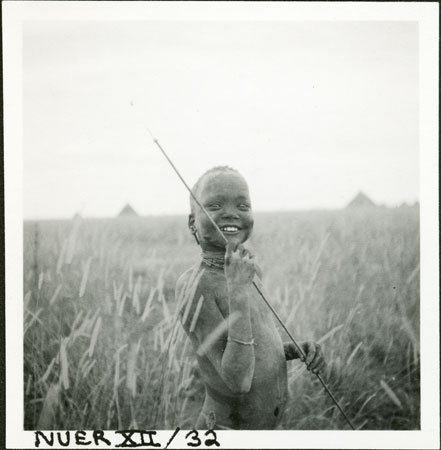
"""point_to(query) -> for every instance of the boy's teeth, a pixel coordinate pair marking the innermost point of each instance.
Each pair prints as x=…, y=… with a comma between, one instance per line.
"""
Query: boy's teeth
x=229, y=229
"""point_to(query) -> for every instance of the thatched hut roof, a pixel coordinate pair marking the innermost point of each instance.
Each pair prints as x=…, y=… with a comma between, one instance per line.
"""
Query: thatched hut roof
x=361, y=200
x=128, y=211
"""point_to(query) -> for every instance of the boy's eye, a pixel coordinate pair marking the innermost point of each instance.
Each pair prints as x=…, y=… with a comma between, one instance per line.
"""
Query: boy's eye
x=244, y=207
x=214, y=206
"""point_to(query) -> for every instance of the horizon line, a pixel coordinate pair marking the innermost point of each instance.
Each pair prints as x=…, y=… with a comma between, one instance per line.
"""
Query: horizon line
x=177, y=214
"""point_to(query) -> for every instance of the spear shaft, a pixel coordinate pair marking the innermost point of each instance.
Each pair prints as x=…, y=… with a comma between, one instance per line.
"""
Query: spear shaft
x=298, y=348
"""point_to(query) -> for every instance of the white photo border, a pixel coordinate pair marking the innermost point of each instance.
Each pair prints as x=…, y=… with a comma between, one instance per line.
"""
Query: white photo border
x=15, y=13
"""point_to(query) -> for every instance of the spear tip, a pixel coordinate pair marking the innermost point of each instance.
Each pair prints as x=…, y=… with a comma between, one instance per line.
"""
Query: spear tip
x=151, y=135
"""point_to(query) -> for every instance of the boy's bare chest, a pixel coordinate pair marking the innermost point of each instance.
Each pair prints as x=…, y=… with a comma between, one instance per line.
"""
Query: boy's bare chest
x=260, y=314
x=264, y=329
x=269, y=351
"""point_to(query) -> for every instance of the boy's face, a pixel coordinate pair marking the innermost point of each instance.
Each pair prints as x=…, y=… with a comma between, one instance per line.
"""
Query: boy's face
x=226, y=198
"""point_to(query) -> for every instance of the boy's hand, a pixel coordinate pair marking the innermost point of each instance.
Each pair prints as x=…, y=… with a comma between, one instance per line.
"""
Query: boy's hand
x=239, y=265
x=315, y=360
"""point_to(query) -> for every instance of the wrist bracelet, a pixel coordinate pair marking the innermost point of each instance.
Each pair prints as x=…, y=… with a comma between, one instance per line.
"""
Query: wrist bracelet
x=238, y=341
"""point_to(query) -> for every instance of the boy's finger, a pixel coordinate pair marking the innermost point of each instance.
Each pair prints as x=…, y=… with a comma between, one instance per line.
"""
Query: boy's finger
x=318, y=358
x=246, y=259
x=242, y=250
x=249, y=263
x=310, y=353
x=248, y=253
x=319, y=367
x=315, y=362
x=229, y=252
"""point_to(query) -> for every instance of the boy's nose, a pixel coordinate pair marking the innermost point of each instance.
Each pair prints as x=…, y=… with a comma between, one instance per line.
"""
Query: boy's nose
x=230, y=213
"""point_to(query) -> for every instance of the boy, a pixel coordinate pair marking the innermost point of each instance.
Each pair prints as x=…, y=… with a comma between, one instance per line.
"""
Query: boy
x=241, y=356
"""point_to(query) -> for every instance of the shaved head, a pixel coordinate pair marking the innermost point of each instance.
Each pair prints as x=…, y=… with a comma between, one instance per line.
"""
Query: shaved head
x=211, y=172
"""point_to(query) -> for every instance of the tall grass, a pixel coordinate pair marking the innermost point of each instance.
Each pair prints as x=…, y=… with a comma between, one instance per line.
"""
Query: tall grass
x=103, y=349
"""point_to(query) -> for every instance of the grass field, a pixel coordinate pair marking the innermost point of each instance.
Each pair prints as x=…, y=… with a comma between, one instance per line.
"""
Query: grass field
x=99, y=312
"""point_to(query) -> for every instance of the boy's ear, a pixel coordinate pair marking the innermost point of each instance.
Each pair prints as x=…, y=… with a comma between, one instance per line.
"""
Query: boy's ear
x=193, y=228
x=190, y=220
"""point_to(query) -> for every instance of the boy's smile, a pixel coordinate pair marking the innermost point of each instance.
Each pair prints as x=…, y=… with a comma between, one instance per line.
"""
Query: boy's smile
x=226, y=198
x=230, y=229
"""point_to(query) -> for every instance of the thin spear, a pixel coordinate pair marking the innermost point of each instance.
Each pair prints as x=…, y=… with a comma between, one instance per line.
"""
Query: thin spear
x=298, y=348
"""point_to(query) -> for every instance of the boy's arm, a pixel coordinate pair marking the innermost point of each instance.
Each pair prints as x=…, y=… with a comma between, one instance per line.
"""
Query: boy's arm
x=226, y=342
x=290, y=351
x=239, y=358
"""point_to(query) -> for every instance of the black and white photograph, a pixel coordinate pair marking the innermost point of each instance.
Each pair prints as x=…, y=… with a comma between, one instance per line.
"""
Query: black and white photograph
x=222, y=217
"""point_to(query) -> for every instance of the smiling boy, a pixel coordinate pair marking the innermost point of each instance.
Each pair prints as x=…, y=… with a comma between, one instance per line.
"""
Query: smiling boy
x=240, y=353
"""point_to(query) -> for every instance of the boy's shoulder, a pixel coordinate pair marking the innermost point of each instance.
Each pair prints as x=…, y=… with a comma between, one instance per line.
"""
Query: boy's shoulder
x=196, y=287
x=203, y=276
x=185, y=277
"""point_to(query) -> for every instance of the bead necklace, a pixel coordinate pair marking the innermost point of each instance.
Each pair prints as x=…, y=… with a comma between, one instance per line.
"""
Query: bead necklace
x=214, y=259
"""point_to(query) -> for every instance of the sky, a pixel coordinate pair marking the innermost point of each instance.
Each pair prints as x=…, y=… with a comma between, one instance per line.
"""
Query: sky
x=309, y=112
